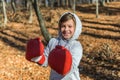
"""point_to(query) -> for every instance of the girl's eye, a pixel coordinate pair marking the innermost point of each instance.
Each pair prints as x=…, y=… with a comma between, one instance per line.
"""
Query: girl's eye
x=70, y=26
x=62, y=26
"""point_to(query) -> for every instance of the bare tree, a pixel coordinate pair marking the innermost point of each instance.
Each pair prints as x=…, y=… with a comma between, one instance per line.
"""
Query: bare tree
x=97, y=10
x=44, y=31
x=107, y=1
x=70, y=3
x=58, y=3
x=74, y=5
x=66, y=3
x=29, y=4
x=46, y=3
x=51, y=3
x=13, y=6
x=4, y=12
x=102, y=2
x=62, y=2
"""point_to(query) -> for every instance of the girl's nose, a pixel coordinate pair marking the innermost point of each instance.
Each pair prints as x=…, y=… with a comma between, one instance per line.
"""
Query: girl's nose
x=66, y=28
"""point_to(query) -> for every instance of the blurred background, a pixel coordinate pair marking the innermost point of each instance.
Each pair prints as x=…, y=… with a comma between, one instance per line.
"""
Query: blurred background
x=21, y=20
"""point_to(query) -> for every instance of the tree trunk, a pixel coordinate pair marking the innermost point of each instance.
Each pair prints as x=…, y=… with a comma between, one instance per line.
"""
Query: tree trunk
x=27, y=4
x=46, y=3
x=62, y=3
x=70, y=3
x=13, y=6
x=4, y=12
x=30, y=11
x=44, y=31
x=102, y=2
x=51, y=3
x=66, y=3
x=97, y=10
x=74, y=5
x=58, y=3
x=107, y=1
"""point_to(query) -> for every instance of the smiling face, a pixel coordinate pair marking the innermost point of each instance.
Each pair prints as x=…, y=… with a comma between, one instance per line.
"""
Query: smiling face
x=71, y=33
x=67, y=29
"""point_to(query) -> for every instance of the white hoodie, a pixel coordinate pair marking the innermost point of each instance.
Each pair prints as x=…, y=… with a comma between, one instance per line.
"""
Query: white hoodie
x=73, y=46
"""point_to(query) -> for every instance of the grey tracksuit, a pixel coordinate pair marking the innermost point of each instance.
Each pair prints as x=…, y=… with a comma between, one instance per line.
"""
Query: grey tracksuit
x=73, y=46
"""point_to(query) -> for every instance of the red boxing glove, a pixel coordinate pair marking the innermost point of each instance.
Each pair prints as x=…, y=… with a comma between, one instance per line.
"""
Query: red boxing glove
x=60, y=60
x=35, y=48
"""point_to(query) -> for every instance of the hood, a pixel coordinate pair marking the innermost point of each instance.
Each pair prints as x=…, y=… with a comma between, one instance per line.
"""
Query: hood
x=78, y=28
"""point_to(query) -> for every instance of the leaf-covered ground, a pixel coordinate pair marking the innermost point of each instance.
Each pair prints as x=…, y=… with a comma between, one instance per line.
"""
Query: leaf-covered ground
x=100, y=39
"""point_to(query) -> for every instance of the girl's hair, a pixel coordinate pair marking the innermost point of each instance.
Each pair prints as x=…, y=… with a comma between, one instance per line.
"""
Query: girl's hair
x=66, y=17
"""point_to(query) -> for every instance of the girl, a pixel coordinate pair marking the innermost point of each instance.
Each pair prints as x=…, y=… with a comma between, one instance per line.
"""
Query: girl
x=69, y=30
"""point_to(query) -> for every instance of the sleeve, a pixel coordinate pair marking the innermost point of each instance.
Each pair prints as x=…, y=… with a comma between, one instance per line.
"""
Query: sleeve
x=76, y=52
x=46, y=53
x=47, y=50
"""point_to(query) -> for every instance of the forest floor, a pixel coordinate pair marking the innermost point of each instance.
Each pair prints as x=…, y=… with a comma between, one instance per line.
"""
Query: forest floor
x=100, y=39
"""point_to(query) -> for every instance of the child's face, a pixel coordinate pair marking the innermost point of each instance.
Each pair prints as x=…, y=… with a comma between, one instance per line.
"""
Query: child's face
x=67, y=29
